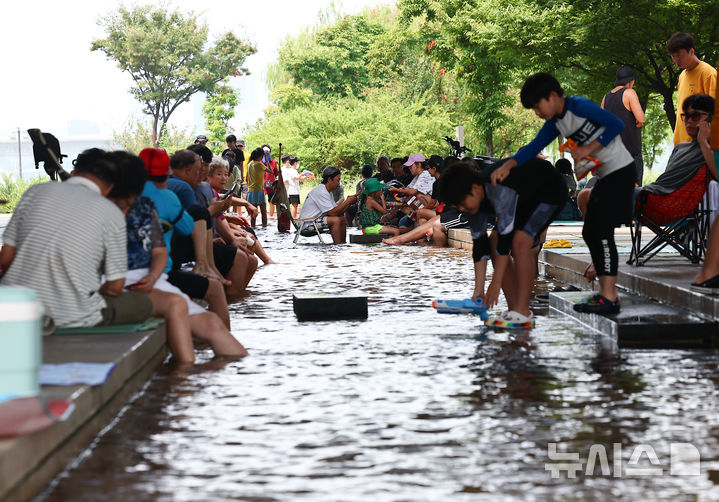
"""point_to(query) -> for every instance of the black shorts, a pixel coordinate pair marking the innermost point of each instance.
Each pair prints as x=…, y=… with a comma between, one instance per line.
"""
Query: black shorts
x=534, y=215
x=294, y=199
x=452, y=218
x=224, y=257
x=193, y=285
x=611, y=198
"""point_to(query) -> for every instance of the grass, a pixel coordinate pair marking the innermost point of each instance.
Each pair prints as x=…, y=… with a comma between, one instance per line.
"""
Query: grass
x=12, y=188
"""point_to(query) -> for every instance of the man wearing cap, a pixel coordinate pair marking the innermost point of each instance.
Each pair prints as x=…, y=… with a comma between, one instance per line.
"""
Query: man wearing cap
x=623, y=102
x=170, y=210
x=422, y=183
x=321, y=206
x=201, y=140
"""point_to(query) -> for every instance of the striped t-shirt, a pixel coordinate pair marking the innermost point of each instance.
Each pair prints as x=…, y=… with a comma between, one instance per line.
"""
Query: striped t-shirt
x=67, y=235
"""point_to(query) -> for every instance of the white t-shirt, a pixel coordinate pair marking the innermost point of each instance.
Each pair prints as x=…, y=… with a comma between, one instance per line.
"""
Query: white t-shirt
x=318, y=202
x=292, y=180
x=423, y=183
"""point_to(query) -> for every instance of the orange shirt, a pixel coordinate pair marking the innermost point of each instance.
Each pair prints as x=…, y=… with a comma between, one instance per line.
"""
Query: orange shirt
x=701, y=79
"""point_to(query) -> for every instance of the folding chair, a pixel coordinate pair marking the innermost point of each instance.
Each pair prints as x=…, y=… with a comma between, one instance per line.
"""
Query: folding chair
x=679, y=219
x=298, y=224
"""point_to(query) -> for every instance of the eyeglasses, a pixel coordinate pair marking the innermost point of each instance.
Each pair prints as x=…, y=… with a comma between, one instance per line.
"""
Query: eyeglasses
x=694, y=116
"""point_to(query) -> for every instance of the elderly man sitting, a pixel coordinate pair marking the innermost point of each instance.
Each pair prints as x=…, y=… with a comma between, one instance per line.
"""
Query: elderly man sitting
x=320, y=205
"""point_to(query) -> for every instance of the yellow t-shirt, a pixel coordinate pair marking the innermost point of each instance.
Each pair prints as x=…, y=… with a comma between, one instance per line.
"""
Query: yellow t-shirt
x=255, y=176
x=702, y=79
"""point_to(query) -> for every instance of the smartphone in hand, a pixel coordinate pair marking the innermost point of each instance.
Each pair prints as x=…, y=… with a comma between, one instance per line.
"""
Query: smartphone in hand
x=230, y=192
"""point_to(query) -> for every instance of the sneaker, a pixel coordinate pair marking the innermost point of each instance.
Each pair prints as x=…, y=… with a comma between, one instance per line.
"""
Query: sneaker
x=708, y=287
x=597, y=304
x=512, y=320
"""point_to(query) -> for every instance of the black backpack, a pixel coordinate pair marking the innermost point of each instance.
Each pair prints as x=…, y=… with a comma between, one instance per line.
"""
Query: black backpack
x=46, y=149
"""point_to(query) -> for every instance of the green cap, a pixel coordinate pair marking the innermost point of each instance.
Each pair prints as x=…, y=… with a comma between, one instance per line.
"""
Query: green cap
x=372, y=185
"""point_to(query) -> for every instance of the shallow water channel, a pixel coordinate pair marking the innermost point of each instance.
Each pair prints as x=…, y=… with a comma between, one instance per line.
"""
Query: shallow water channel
x=409, y=405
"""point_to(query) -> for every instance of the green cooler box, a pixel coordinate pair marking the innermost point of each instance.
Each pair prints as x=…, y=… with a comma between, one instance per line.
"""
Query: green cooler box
x=21, y=341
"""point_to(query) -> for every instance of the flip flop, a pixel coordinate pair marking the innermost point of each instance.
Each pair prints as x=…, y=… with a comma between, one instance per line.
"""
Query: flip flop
x=563, y=243
x=554, y=243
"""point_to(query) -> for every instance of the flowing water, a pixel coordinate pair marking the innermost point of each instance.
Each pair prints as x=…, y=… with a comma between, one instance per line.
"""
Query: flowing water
x=408, y=405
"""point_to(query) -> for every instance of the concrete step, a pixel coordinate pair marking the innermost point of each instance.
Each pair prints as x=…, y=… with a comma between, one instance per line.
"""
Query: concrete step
x=643, y=323
x=665, y=279
x=28, y=463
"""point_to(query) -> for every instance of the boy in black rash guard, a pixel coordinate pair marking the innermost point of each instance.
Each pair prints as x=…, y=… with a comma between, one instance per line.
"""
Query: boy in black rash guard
x=525, y=203
x=596, y=133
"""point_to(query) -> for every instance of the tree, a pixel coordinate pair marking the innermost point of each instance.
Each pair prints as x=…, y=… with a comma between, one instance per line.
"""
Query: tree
x=655, y=132
x=165, y=54
x=331, y=61
x=584, y=42
x=218, y=109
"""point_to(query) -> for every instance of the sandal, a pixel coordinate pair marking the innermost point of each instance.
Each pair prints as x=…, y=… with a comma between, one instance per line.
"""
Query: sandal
x=512, y=320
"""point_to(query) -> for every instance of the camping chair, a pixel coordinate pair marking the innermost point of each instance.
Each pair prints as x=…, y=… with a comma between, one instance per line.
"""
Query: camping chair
x=298, y=224
x=678, y=219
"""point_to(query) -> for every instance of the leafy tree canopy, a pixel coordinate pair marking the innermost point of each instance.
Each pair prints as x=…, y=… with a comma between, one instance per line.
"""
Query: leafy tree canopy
x=168, y=57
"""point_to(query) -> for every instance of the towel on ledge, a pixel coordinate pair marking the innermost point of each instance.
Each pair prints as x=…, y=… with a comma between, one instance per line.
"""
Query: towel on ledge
x=75, y=373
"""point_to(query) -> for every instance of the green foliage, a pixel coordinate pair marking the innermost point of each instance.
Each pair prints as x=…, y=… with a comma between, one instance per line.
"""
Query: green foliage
x=12, y=188
x=218, y=109
x=655, y=132
x=492, y=45
x=167, y=55
x=331, y=62
x=137, y=135
x=349, y=131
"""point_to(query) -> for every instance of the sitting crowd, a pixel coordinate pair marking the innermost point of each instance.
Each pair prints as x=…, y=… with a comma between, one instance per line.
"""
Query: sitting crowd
x=155, y=240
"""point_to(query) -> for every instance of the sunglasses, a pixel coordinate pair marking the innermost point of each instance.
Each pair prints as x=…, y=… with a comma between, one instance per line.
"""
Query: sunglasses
x=694, y=116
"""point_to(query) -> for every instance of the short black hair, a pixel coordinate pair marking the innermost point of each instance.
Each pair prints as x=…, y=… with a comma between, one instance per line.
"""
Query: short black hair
x=457, y=180
x=98, y=163
x=131, y=175
x=286, y=157
x=231, y=138
x=563, y=166
x=679, y=41
x=201, y=150
x=701, y=102
x=396, y=159
x=182, y=159
x=159, y=178
x=257, y=154
x=294, y=160
x=537, y=87
x=367, y=171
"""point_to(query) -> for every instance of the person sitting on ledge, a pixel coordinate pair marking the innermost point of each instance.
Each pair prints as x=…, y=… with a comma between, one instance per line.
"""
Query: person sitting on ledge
x=320, y=206
x=63, y=238
x=147, y=258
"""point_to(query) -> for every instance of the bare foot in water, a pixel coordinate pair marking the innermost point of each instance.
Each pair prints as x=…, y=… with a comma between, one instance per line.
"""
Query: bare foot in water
x=590, y=273
x=392, y=241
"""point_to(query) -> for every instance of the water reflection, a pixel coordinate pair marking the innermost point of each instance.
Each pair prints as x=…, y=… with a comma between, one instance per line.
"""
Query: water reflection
x=407, y=405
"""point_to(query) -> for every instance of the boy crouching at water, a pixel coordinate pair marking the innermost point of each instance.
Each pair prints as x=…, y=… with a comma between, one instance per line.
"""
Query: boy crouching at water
x=525, y=203
x=596, y=133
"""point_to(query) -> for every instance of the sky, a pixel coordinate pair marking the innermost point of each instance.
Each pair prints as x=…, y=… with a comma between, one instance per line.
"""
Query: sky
x=51, y=77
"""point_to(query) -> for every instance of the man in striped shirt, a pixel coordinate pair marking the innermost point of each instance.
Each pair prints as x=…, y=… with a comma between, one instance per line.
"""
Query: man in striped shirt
x=63, y=238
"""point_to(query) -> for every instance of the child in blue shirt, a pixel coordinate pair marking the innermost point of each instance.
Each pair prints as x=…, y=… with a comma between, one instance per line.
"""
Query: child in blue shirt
x=596, y=133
